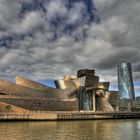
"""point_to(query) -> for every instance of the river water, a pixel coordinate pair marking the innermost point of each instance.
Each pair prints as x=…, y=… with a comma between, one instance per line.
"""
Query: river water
x=71, y=130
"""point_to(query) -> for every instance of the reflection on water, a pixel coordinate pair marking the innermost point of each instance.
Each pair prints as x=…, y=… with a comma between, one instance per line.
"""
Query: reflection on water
x=71, y=130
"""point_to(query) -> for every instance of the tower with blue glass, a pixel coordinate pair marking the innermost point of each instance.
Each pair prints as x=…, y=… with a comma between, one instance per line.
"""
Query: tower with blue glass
x=125, y=81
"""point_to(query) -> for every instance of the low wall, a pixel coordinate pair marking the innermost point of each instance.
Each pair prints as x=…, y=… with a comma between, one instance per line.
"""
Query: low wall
x=28, y=116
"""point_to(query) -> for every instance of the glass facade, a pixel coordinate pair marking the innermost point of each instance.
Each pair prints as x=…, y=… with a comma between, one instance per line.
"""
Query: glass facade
x=85, y=99
x=125, y=81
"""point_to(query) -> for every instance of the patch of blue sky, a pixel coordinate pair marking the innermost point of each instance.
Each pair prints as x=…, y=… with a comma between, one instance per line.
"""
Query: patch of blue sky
x=137, y=91
x=137, y=83
x=137, y=88
x=113, y=87
x=49, y=83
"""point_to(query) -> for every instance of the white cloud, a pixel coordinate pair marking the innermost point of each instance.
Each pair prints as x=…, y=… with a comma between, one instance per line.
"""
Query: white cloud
x=114, y=40
x=29, y=23
x=55, y=8
x=8, y=12
x=102, y=5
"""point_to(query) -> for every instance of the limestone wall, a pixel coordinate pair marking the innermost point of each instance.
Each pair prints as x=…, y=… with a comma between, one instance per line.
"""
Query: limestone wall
x=42, y=104
x=8, y=108
x=114, y=99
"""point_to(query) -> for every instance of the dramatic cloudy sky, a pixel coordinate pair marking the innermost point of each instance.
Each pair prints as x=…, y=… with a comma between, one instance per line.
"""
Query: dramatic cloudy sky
x=45, y=39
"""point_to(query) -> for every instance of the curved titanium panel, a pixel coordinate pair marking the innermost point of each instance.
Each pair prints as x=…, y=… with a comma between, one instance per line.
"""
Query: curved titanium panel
x=100, y=93
x=9, y=88
x=92, y=81
x=103, y=103
x=85, y=72
x=60, y=84
x=74, y=83
x=107, y=95
x=69, y=77
x=29, y=83
x=24, y=91
x=103, y=85
x=82, y=72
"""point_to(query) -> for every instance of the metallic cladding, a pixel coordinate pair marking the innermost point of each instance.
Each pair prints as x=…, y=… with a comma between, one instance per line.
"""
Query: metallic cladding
x=24, y=90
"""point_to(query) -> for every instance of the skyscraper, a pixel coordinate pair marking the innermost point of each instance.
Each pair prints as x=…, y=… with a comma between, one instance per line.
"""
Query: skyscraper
x=125, y=81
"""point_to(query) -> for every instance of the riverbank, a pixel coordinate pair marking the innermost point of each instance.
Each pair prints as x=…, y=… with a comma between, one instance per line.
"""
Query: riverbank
x=46, y=116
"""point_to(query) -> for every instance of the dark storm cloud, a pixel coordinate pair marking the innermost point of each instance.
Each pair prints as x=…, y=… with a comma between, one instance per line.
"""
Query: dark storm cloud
x=137, y=67
x=121, y=20
x=51, y=40
x=40, y=38
x=118, y=56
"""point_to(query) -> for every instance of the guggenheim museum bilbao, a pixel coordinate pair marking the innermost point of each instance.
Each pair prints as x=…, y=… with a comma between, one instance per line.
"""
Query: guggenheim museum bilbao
x=83, y=92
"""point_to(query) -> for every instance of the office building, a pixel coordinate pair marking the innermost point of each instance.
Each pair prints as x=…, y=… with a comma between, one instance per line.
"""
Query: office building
x=125, y=81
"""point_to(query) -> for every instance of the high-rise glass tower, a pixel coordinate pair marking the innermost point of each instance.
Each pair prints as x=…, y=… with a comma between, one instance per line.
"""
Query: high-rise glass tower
x=125, y=81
